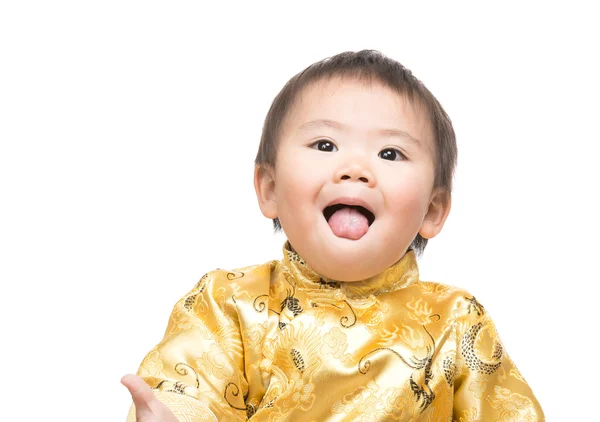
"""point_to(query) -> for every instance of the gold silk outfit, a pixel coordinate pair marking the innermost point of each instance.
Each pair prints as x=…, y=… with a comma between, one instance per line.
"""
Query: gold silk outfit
x=277, y=342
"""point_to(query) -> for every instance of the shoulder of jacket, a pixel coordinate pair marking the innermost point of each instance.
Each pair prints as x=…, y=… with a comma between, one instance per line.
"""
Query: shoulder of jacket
x=457, y=299
x=249, y=278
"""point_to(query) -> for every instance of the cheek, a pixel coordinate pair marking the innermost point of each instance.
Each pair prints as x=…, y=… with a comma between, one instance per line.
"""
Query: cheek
x=408, y=197
x=296, y=192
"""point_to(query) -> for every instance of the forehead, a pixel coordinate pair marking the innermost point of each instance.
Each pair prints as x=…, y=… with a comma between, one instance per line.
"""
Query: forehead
x=351, y=105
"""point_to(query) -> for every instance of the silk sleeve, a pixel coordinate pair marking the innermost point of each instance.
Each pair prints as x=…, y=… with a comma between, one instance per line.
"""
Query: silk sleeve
x=488, y=386
x=197, y=368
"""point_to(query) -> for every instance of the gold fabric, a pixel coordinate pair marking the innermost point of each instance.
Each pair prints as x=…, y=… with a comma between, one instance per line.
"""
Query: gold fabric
x=277, y=342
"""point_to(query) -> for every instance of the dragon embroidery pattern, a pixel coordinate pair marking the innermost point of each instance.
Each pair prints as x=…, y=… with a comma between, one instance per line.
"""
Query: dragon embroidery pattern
x=423, y=393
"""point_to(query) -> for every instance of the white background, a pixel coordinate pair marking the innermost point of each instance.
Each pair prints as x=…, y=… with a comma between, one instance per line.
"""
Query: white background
x=128, y=132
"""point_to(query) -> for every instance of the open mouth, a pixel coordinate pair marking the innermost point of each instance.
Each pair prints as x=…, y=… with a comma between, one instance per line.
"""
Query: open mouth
x=330, y=210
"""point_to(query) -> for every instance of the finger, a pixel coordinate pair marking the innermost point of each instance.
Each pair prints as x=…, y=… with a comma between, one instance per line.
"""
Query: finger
x=141, y=393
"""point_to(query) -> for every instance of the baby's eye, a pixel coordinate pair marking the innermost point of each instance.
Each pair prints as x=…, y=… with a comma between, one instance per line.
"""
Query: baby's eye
x=391, y=154
x=324, y=145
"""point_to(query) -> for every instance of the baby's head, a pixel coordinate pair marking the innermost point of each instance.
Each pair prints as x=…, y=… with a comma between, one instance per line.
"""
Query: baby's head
x=355, y=164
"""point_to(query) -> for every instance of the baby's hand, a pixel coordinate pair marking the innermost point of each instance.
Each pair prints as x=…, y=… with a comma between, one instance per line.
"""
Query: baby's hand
x=147, y=407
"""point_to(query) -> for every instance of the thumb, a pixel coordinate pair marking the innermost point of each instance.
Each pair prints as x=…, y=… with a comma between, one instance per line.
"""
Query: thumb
x=141, y=393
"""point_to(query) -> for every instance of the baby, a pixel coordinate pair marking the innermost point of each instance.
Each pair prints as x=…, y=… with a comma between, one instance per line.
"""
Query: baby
x=355, y=164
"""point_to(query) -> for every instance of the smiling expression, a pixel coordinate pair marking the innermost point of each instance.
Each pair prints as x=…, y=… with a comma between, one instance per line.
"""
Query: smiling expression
x=359, y=144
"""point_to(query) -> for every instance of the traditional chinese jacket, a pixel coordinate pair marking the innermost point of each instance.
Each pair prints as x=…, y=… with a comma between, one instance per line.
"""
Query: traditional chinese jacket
x=278, y=342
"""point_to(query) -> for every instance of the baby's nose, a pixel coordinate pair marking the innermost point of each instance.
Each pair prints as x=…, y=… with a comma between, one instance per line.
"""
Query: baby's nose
x=356, y=172
x=362, y=178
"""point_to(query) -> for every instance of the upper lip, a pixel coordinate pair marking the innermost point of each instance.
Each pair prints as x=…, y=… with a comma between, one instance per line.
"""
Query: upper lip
x=351, y=200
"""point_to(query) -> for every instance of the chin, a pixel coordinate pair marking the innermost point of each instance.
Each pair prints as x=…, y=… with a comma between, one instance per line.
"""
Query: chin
x=341, y=259
x=349, y=274
x=351, y=268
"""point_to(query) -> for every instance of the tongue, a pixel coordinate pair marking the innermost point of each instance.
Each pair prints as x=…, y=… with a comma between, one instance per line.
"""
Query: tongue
x=348, y=223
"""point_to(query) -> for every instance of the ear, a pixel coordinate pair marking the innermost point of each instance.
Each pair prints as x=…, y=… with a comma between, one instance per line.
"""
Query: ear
x=264, y=185
x=439, y=208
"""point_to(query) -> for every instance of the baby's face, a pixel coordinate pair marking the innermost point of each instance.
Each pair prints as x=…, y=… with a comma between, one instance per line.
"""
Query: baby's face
x=335, y=149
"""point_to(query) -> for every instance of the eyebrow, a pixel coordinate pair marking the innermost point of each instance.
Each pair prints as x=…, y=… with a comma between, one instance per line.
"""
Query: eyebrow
x=339, y=126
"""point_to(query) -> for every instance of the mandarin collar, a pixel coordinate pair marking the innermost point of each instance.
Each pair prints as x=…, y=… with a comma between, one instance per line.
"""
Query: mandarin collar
x=401, y=274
